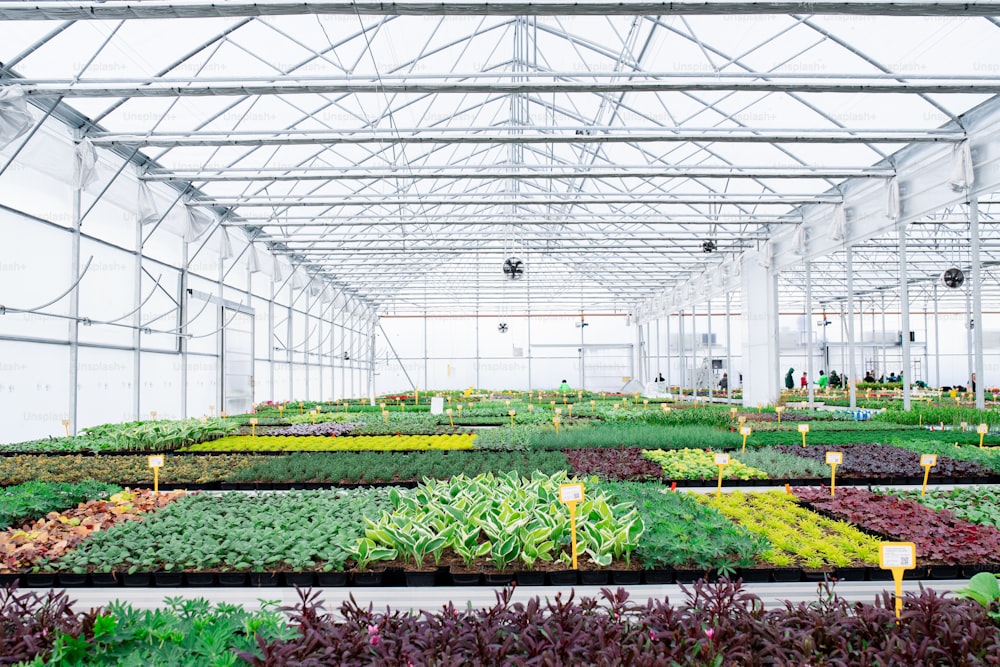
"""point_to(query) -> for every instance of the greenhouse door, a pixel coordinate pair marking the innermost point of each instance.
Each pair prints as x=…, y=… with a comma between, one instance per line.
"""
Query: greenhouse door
x=237, y=362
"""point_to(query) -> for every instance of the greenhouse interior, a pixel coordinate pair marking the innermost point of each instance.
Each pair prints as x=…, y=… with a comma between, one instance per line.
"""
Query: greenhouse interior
x=500, y=312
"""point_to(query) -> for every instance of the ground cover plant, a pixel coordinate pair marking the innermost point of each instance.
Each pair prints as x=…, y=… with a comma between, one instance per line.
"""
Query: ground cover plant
x=36, y=544
x=331, y=428
x=987, y=457
x=977, y=504
x=162, y=435
x=32, y=500
x=698, y=464
x=634, y=434
x=940, y=536
x=798, y=536
x=779, y=465
x=371, y=467
x=122, y=469
x=329, y=444
x=884, y=461
x=506, y=519
x=684, y=534
x=267, y=532
x=623, y=463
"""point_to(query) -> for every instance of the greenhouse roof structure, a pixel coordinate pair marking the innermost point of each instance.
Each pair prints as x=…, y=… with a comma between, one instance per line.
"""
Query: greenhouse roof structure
x=629, y=156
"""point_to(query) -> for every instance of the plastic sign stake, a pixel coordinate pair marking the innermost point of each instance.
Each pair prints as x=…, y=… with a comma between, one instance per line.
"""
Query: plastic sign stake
x=897, y=556
x=281, y=411
x=742, y=420
x=451, y=422
x=156, y=462
x=571, y=494
x=721, y=460
x=666, y=408
x=745, y=431
x=385, y=416
x=833, y=459
x=982, y=430
x=570, y=408
x=253, y=427
x=779, y=409
x=313, y=413
x=531, y=409
x=555, y=422
x=964, y=426
x=65, y=423
x=928, y=461
x=803, y=429
x=152, y=415
x=593, y=406
x=733, y=411
x=460, y=410
x=301, y=408
x=512, y=413
x=645, y=404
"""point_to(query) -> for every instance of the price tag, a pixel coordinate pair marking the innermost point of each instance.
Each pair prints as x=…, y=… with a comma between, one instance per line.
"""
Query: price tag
x=928, y=459
x=834, y=458
x=722, y=459
x=897, y=554
x=745, y=430
x=964, y=425
x=570, y=493
x=983, y=429
x=803, y=428
x=156, y=461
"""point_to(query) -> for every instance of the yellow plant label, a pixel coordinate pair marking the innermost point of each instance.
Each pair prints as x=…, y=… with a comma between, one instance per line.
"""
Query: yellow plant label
x=155, y=461
x=803, y=428
x=722, y=459
x=834, y=458
x=928, y=460
x=897, y=554
x=983, y=429
x=570, y=493
x=745, y=430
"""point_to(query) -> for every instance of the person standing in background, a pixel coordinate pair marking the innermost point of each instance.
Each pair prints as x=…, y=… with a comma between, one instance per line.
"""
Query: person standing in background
x=789, y=382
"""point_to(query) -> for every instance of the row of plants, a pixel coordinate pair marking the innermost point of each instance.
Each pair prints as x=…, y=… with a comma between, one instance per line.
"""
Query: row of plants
x=987, y=458
x=699, y=464
x=152, y=436
x=326, y=428
x=506, y=519
x=714, y=624
x=128, y=469
x=31, y=500
x=977, y=504
x=880, y=461
x=798, y=536
x=37, y=544
x=940, y=537
x=399, y=442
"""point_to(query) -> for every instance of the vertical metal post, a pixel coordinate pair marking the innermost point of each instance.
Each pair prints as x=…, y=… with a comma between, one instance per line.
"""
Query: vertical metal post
x=885, y=357
x=270, y=342
x=289, y=356
x=137, y=332
x=977, y=302
x=74, y=311
x=426, y=370
x=182, y=340
x=852, y=367
x=904, y=315
x=694, y=351
x=729, y=347
x=479, y=361
x=659, y=360
x=710, y=347
x=937, y=341
x=669, y=377
x=682, y=365
x=307, y=306
x=809, y=338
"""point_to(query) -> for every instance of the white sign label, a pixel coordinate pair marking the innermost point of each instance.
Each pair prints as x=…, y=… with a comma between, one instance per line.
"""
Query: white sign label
x=834, y=458
x=803, y=428
x=745, y=430
x=902, y=555
x=571, y=493
x=722, y=459
x=983, y=429
x=155, y=461
x=928, y=459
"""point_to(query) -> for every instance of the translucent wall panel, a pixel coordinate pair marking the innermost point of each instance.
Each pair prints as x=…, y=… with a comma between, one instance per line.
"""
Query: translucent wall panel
x=262, y=383
x=160, y=389
x=282, y=388
x=203, y=318
x=39, y=181
x=159, y=312
x=203, y=387
x=27, y=282
x=34, y=390
x=299, y=389
x=106, y=388
x=107, y=292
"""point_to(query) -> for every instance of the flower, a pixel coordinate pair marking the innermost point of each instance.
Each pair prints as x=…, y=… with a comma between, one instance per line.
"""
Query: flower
x=373, y=636
x=709, y=633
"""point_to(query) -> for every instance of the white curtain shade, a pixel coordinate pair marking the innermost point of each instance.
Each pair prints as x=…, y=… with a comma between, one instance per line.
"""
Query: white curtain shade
x=15, y=119
x=145, y=205
x=962, y=175
x=86, y=163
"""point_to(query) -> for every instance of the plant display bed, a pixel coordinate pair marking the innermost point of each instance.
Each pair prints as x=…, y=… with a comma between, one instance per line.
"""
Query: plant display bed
x=980, y=505
x=330, y=444
x=699, y=464
x=866, y=461
x=624, y=463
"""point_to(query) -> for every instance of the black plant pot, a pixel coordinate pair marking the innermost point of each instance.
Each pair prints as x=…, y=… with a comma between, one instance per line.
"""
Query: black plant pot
x=72, y=579
x=200, y=579
x=944, y=571
x=137, y=579
x=39, y=579
x=564, y=577
x=659, y=576
x=529, y=578
x=851, y=573
x=367, y=578
x=420, y=579
x=307, y=579
x=167, y=579
x=878, y=574
x=498, y=578
x=9, y=578
x=231, y=579
x=754, y=575
x=466, y=578
x=968, y=571
x=626, y=577
x=817, y=575
x=689, y=576
x=102, y=579
x=263, y=579
x=593, y=577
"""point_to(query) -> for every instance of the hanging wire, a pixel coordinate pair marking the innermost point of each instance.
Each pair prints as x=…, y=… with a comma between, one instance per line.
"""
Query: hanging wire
x=5, y=309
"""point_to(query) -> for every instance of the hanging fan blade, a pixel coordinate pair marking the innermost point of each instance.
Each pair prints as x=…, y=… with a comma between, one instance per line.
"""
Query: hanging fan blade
x=513, y=268
x=953, y=278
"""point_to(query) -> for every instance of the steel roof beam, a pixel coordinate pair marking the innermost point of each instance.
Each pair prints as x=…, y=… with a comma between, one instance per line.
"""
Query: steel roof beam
x=639, y=83
x=523, y=199
x=541, y=135
x=154, y=9
x=499, y=219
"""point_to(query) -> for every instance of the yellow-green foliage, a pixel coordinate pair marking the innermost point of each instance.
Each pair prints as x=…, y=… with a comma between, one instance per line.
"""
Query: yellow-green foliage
x=385, y=443
x=698, y=464
x=798, y=536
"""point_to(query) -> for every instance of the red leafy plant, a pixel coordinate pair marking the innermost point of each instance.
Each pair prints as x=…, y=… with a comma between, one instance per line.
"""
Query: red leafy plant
x=623, y=463
x=940, y=537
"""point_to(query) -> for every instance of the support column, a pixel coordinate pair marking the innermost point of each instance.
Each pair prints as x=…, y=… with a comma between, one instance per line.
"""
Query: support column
x=694, y=352
x=977, y=302
x=137, y=331
x=852, y=366
x=710, y=347
x=669, y=377
x=760, y=334
x=937, y=341
x=682, y=366
x=74, y=312
x=729, y=348
x=809, y=340
x=904, y=316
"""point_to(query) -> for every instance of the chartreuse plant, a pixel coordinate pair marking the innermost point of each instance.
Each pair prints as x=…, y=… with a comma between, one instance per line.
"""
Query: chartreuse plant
x=698, y=464
x=797, y=536
x=505, y=518
x=297, y=531
x=244, y=443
